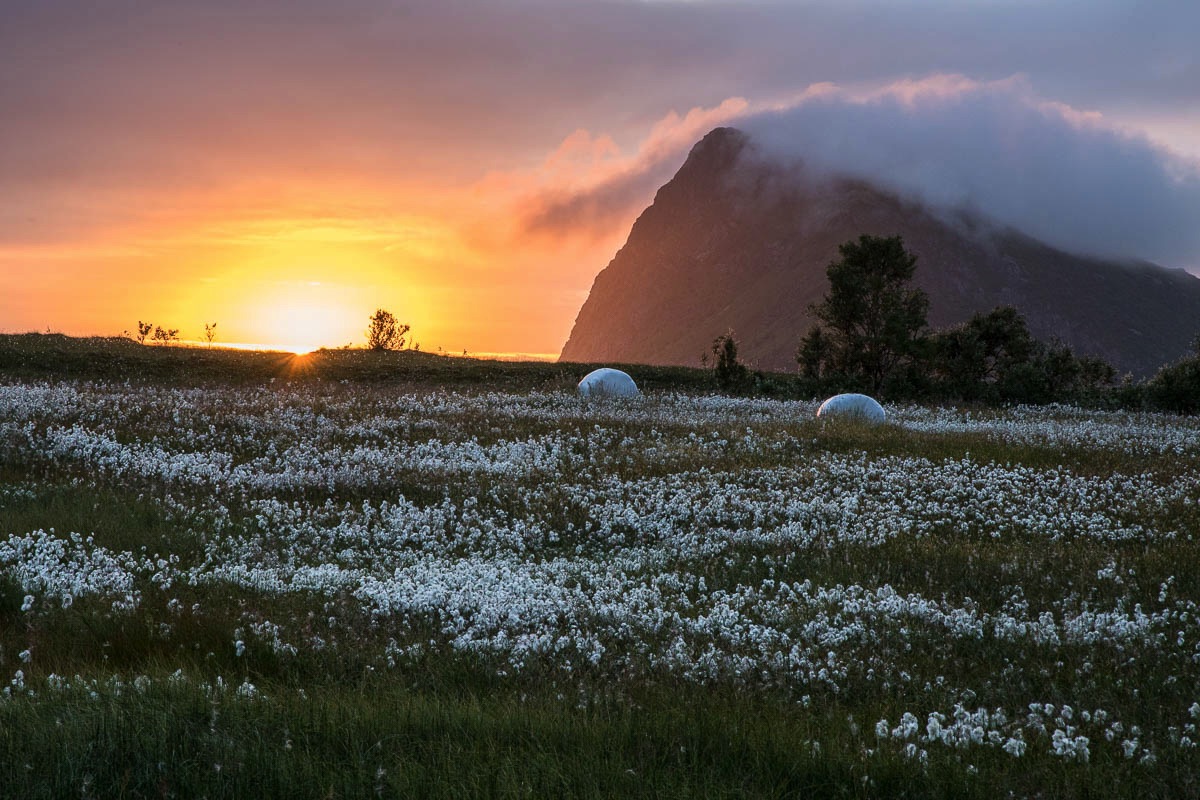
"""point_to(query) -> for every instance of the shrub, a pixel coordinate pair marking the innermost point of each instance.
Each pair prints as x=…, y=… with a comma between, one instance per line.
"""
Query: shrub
x=385, y=332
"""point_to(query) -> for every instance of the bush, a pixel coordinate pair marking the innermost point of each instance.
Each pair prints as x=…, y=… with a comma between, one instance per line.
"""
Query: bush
x=385, y=332
x=731, y=375
x=1176, y=387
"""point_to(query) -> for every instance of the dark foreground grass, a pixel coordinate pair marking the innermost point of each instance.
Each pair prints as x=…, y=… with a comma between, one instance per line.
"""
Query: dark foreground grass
x=386, y=741
x=178, y=738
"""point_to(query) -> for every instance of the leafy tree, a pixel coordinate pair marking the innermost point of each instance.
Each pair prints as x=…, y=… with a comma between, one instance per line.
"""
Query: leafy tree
x=731, y=374
x=1096, y=373
x=994, y=357
x=1061, y=370
x=1177, y=387
x=872, y=318
x=385, y=332
x=143, y=330
x=974, y=360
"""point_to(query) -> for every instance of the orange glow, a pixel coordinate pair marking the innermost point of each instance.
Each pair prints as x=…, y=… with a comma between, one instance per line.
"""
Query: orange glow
x=297, y=260
x=301, y=325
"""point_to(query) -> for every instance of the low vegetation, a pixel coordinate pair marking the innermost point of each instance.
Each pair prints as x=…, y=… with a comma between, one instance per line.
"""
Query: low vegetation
x=872, y=336
x=36, y=356
x=397, y=574
x=385, y=332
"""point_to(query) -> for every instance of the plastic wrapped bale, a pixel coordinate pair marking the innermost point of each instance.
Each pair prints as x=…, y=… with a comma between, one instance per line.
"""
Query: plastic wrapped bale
x=859, y=406
x=608, y=382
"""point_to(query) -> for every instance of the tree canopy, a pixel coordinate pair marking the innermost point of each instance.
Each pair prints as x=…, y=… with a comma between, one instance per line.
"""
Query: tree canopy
x=872, y=320
x=385, y=332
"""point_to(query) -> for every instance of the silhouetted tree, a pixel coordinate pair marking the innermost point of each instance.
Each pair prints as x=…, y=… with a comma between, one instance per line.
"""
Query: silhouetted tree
x=1096, y=373
x=814, y=353
x=872, y=318
x=1177, y=387
x=164, y=335
x=1061, y=369
x=143, y=330
x=731, y=375
x=385, y=333
x=210, y=331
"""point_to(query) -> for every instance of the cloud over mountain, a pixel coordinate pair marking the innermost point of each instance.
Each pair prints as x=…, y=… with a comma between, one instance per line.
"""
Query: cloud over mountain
x=1068, y=177
x=1064, y=176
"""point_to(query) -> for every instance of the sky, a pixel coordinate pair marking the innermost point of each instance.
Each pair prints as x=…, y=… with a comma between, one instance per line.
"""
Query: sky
x=285, y=168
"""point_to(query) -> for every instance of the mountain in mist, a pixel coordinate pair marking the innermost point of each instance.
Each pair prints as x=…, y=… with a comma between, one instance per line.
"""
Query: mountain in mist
x=737, y=242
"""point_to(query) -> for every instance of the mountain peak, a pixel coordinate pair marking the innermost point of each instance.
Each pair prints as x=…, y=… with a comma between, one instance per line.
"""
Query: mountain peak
x=736, y=242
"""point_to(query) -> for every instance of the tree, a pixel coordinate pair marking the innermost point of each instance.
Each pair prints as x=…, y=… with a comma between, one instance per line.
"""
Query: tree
x=210, y=331
x=385, y=332
x=814, y=353
x=993, y=356
x=164, y=335
x=1176, y=387
x=143, y=331
x=1096, y=373
x=872, y=319
x=731, y=374
x=976, y=359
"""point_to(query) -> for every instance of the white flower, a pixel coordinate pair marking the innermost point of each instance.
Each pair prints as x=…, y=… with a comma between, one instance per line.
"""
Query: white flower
x=933, y=728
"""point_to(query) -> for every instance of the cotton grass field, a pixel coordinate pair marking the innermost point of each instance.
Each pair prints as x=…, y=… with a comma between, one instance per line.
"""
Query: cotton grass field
x=338, y=588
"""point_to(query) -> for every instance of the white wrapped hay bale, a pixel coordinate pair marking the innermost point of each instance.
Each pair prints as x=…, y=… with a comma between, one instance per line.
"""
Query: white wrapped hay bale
x=608, y=382
x=859, y=406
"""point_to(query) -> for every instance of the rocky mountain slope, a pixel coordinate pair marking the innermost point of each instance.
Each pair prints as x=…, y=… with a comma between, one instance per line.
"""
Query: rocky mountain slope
x=734, y=242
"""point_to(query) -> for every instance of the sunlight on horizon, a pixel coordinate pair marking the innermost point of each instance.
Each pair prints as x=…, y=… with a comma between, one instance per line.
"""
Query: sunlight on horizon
x=301, y=327
x=300, y=315
x=256, y=347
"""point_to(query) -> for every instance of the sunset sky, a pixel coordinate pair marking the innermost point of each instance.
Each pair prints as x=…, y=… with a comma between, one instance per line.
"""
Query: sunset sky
x=284, y=168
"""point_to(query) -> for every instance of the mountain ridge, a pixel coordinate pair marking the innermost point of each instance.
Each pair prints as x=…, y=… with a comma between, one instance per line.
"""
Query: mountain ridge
x=734, y=241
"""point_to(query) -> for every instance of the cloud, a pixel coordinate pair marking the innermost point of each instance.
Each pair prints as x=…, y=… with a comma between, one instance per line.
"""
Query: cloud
x=1066, y=176
x=606, y=188
x=1063, y=175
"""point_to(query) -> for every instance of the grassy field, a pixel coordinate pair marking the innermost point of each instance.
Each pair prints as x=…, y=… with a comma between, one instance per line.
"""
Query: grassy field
x=393, y=575
x=37, y=356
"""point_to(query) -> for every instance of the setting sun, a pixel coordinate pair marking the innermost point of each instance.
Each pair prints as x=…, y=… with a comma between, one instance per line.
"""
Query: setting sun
x=301, y=325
